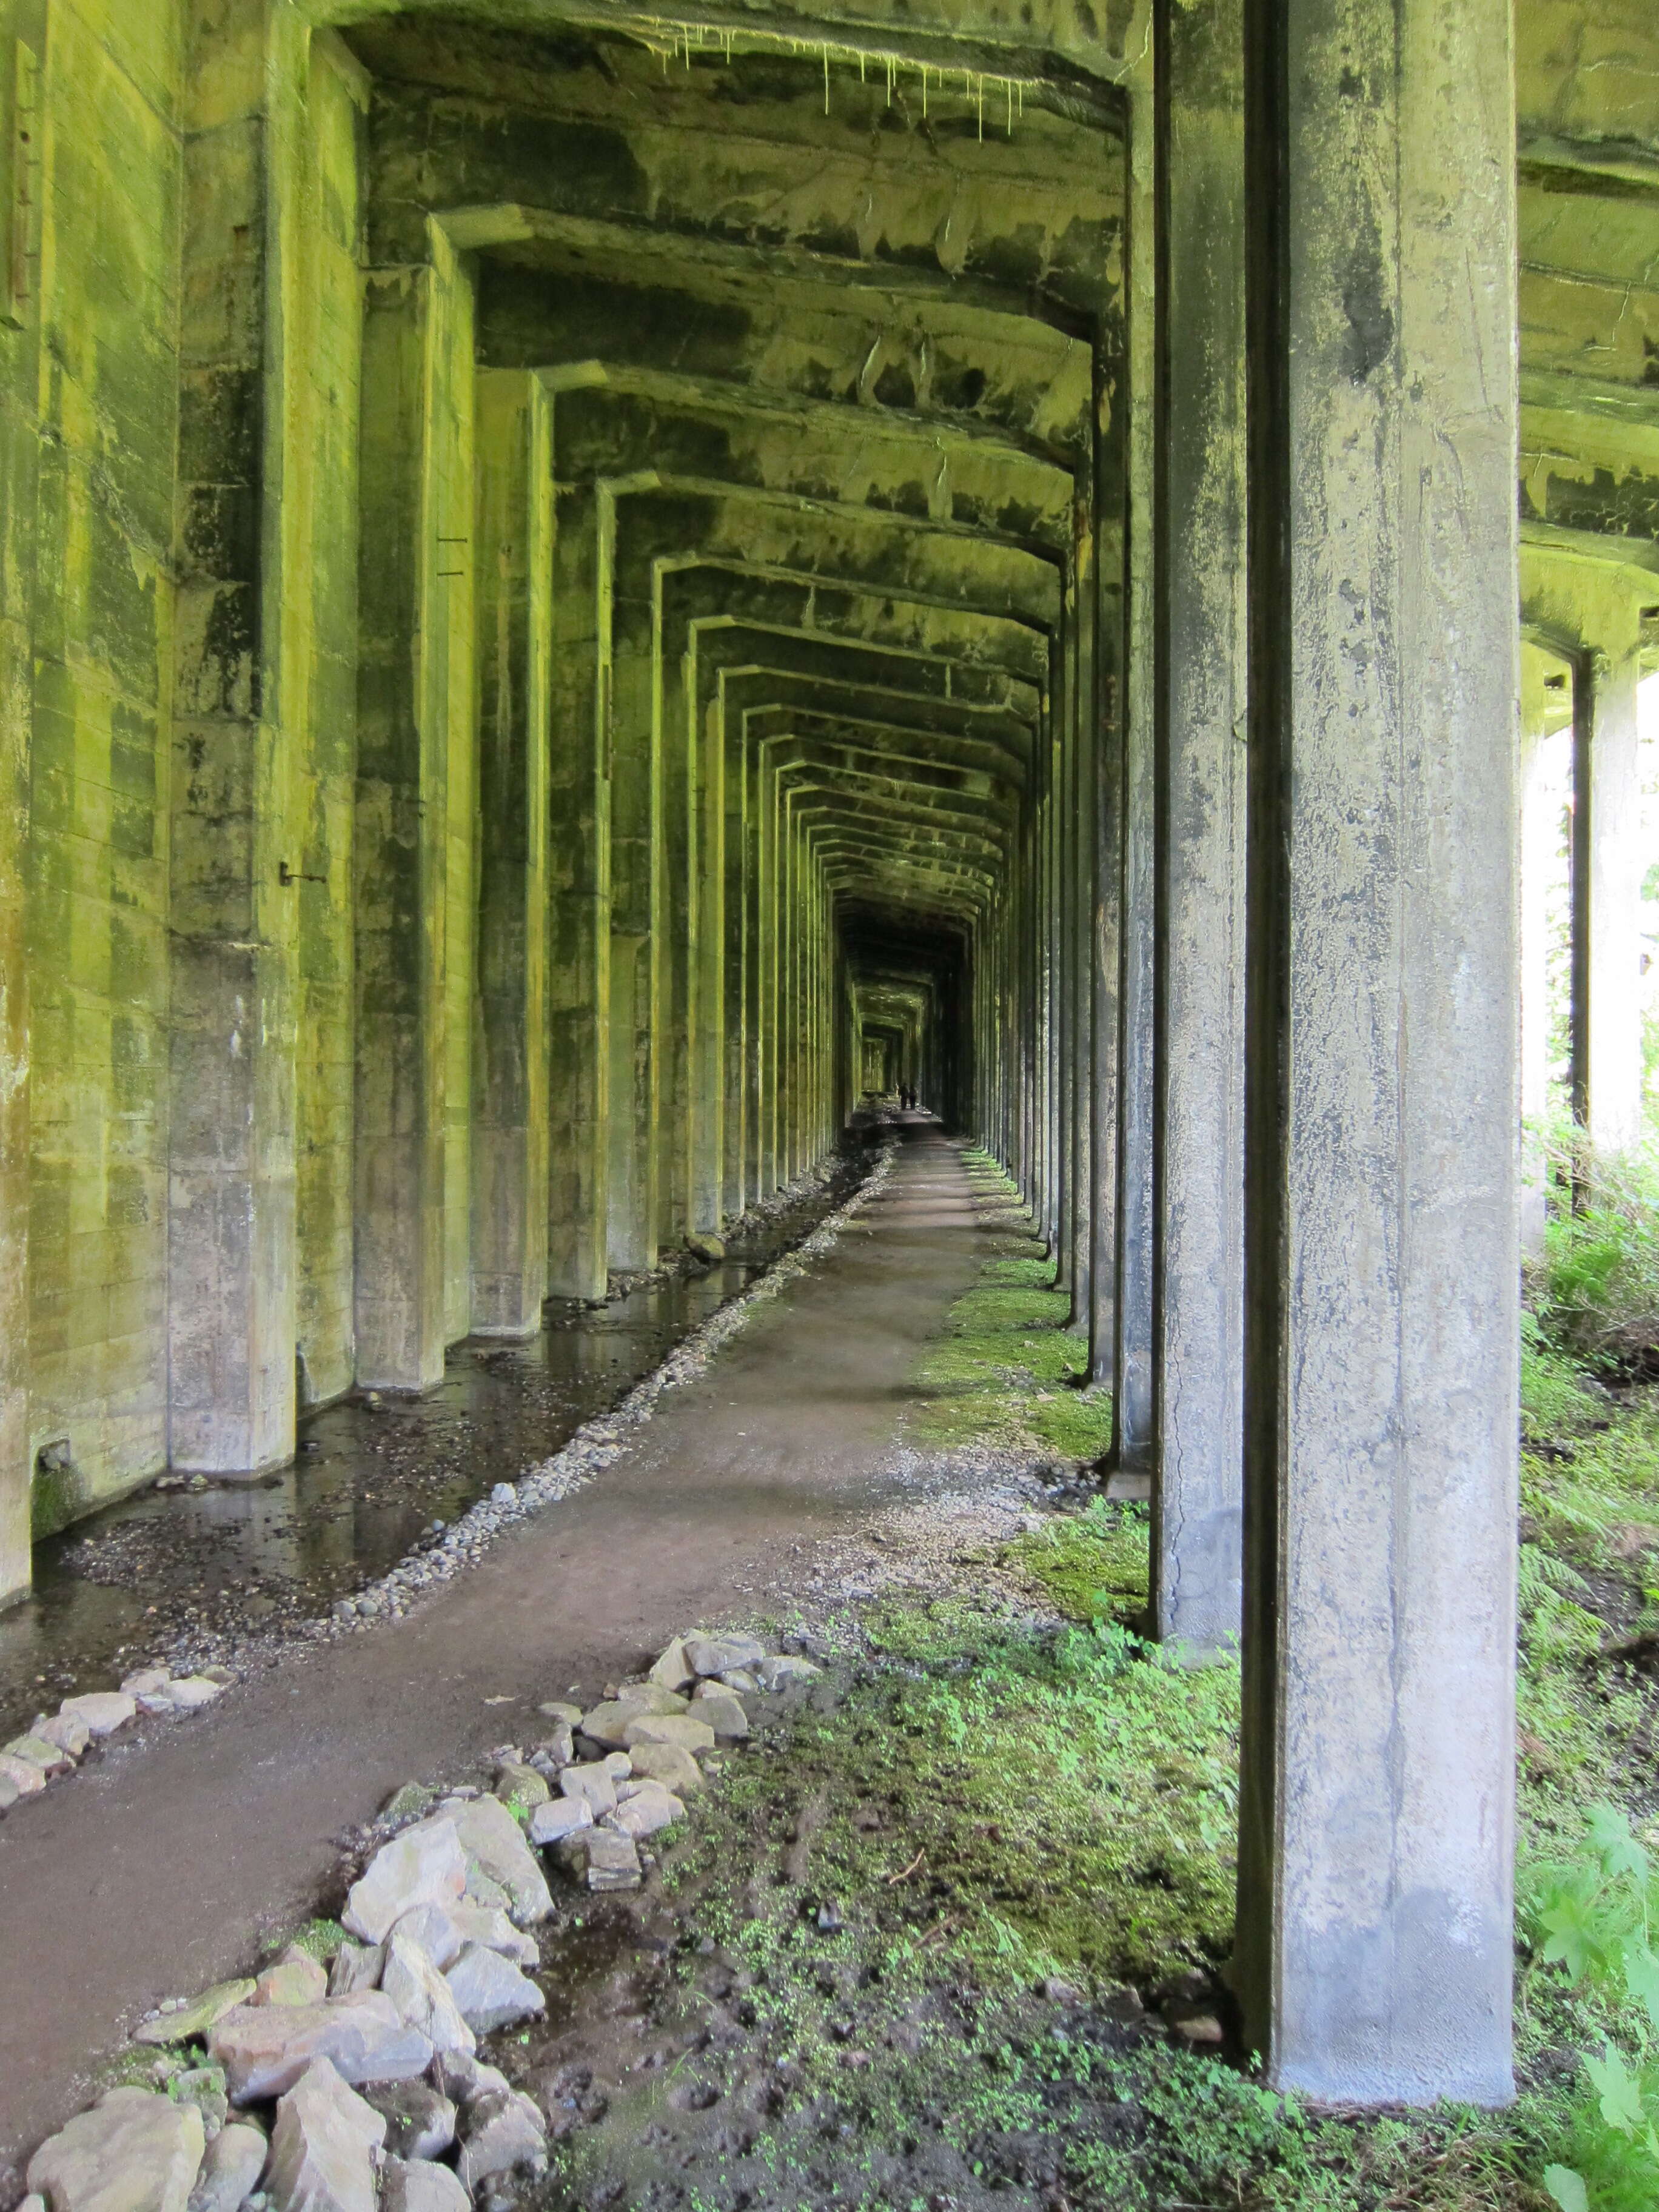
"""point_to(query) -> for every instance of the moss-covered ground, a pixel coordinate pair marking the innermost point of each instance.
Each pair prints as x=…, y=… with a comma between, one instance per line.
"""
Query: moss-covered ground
x=932, y=1943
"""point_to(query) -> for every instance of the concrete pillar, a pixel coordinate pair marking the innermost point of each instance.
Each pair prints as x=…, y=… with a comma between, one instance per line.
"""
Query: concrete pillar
x=1199, y=1318
x=232, y=916
x=1608, y=836
x=1136, y=1213
x=511, y=1134
x=20, y=448
x=1377, y=1833
x=417, y=546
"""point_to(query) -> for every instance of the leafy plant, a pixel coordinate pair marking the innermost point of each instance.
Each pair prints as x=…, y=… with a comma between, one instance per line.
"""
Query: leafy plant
x=1592, y=1916
x=1595, y=1290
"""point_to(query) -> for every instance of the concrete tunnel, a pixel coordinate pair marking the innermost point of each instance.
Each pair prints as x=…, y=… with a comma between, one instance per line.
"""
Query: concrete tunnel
x=592, y=590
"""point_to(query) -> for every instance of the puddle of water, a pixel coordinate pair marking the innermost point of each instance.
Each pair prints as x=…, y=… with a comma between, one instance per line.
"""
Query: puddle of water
x=369, y=1482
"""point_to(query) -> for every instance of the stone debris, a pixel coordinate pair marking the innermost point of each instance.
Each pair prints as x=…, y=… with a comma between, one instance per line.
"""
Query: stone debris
x=644, y=1808
x=422, y=1996
x=559, y=1818
x=490, y=1992
x=603, y=1859
x=722, y=1709
x=133, y=2152
x=264, y=2049
x=594, y=1783
x=426, y=1865
x=520, y=1788
x=419, y=2120
x=50, y=1758
x=296, y=1979
x=324, y=2147
x=231, y=2171
x=407, y=2187
x=374, y=2059
x=357, y=1966
x=504, y=2133
x=682, y=1730
x=491, y=1836
x=26, y=1779
x=673, y=1671
x=68, y=1731
x=185, y=2022
x=717, y=1655
x=665, y=1763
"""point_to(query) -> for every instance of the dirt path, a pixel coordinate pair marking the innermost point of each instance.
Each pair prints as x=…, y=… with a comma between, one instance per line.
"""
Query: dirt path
x=155, y=1870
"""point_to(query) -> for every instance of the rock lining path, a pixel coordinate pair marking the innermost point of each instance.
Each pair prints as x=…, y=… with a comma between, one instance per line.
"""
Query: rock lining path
x=161, y=1868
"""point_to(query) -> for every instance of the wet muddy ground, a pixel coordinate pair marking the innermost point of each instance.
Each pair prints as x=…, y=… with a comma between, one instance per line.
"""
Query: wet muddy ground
x=180, y=1561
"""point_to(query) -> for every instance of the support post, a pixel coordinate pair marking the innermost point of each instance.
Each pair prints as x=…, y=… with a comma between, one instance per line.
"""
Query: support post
x=1610, y=862
x=511, y=1134
x=1376, y=1831
x=1201, y=644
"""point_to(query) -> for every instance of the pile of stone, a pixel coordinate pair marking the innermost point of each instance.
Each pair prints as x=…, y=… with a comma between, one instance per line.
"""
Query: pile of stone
x=357, y=2085
x=55, y=1743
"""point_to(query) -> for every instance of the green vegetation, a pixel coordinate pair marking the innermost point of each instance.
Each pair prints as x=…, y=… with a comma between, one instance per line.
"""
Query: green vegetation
x=1008, y=1372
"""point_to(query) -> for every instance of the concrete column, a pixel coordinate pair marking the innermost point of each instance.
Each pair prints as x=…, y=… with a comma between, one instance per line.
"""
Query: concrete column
x=1376, y=1830
x=416, y=533
x=634, y=1189
x=1136, y=1407
x=232, y=917
x=1199, y=1318
x=511, y=1133
x=1608, y=835
x=20, y=449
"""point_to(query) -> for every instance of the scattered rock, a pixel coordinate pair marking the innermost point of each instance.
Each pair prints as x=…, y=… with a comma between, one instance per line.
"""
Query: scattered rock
x=554, y=1751
x=422, y=1995
x=665, y=1763
x=780, y=1674
x=1199, y=2031
x=356, y=1966
x=682, y=1730
x=100, y=1711
x=196, y=2019
x=646, y=1809
x=489, y=1990
x=323, y=2146
x=603, y=1859
x=28, y=1779
x=521, y=1788
x=737, y=1678
x=608, y=1723
x=205, y=2087
x=50, y=1758
x=715, y=1654
x=419, y=2120
x=230, y=2172
x=465, y=2080
x=296, y=1980
x=594, y=1784
x=131, y=2152
x=705, y=1245
x=673, y=1671
x=426, y=1865
x=490, y=1835
x=264, y=2049
x=69, y=1731
x=9, y=1793
x=723, y=1711
x=560, y=1709
x=408, y=1801
x=504, y=2132
x=147, y=1682
x=190, y=1693
x=420, y=2188
x=561, y=1818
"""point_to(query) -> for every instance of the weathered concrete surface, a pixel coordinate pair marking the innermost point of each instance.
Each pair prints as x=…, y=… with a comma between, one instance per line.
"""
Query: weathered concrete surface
x=1376, y=1819
x=1202, y=648
x=782, y=1439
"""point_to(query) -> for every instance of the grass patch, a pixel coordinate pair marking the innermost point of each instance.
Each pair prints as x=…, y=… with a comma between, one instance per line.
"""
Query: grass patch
x=1006, y=1371
x=1093, y=1565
